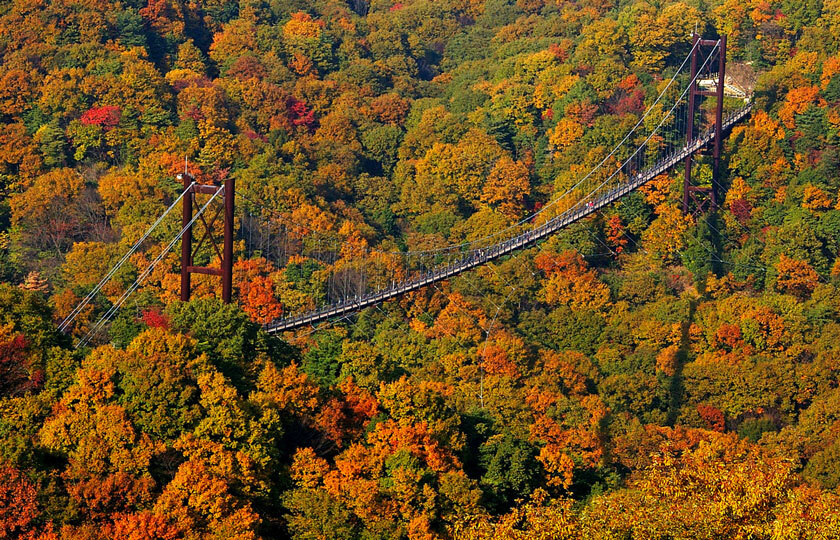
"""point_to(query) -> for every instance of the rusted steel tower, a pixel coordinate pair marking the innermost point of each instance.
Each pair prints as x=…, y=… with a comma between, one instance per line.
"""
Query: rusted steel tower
x=189, y=248
x=699, y=199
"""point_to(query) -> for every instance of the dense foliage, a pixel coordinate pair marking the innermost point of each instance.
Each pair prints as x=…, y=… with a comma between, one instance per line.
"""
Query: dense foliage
x=642, y=375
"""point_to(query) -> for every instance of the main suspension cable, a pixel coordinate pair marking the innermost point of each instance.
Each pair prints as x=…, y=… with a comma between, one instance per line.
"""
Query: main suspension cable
x=114, y=308
x=87, y=299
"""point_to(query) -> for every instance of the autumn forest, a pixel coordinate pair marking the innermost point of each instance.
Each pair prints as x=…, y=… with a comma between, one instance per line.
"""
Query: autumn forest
x=644, y=373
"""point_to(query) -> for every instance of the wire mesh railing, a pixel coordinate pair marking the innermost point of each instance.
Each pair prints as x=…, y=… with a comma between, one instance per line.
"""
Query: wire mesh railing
x=363, y=286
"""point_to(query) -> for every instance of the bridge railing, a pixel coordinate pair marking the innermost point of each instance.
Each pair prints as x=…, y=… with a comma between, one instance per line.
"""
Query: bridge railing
x=471, y=258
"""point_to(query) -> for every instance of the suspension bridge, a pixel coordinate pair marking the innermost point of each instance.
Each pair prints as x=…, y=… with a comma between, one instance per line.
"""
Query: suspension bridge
x=691, y=116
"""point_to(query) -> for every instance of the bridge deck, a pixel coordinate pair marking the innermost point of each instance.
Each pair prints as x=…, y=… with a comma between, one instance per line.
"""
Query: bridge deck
x=479, y=257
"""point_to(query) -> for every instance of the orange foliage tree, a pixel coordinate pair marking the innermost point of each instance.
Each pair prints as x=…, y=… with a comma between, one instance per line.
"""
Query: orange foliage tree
x=796, y=277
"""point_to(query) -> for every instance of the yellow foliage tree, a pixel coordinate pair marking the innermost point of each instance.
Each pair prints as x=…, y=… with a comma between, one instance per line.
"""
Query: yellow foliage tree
x=506, y=187
x=721, y=489
x=541, y=518
x=565, y=133
x=665, y=236
x=302, y=25
x=796, y=102
x=814, y=198
x=570, y=282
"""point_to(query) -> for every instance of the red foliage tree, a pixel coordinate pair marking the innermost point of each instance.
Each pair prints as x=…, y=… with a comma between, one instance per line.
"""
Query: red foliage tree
x=632, y=102
x=14, y=375
x=300, y=114
x=247, y=67
x=742, y=210
x=153, y=318
x=712, y=416
x=107, y=117
x=18, y=507
x=615, y=234
x=560, y=51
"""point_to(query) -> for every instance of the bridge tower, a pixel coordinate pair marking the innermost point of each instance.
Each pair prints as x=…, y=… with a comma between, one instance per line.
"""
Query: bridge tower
x=700, y=199
x=190, y=248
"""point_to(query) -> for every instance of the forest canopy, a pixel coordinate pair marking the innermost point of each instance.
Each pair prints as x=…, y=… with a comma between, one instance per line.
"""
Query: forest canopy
x=642, y=374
